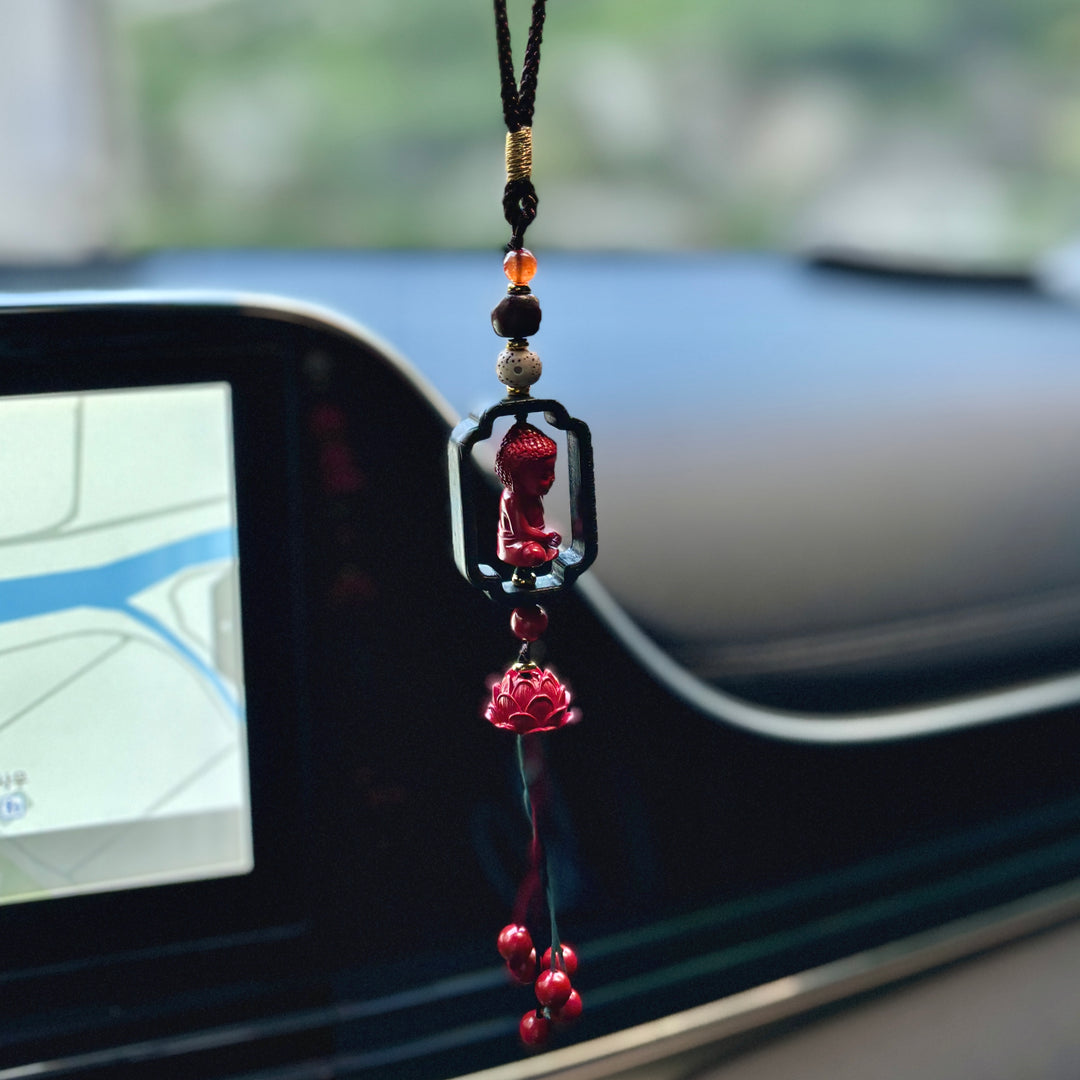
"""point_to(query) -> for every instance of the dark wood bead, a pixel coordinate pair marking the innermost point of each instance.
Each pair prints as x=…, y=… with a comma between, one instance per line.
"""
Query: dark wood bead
x=516, y=316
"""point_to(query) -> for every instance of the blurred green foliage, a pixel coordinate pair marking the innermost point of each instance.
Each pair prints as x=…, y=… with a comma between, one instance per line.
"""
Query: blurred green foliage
x=660, y=123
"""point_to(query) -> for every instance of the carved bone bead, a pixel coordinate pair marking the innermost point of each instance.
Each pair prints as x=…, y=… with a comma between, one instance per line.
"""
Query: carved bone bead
x=518, y=368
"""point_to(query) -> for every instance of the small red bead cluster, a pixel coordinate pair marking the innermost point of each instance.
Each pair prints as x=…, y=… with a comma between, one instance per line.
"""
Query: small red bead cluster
x=559, y=1002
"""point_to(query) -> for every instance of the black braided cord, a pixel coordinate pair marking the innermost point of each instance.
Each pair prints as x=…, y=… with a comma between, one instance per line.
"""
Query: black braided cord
x=519, y=196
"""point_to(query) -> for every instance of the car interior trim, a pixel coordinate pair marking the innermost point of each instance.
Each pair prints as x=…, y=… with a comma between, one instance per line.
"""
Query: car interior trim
x=711, y=1024
x=1010, y=703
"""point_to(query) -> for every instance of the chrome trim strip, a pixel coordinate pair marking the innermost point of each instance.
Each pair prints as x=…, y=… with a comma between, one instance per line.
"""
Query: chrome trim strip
x=710, y=1025
x=994, y=707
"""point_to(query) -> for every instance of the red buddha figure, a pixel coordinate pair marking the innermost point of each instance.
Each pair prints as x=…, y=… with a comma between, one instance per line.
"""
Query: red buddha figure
x=525, y=464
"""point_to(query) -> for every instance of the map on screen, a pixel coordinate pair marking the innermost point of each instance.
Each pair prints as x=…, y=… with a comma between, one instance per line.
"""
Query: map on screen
x=122, y=727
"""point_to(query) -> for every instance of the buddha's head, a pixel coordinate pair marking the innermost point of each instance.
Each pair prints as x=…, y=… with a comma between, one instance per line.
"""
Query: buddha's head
x=525, y=463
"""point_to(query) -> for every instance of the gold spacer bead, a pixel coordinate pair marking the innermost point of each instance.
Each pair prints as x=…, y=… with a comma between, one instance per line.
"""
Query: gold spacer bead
x=524, y=577
x=518, y=154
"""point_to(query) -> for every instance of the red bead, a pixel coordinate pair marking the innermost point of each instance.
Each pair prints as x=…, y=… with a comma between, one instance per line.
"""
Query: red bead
x=519, y=266
x=569, y=960
x=569, y=1011
x=514, y=942
x=528, y=623
x=534, y=1029
x=553, y=988
x=523, y=969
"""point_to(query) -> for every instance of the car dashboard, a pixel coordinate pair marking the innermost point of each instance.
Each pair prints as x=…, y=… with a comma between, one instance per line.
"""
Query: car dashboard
x=827, y=660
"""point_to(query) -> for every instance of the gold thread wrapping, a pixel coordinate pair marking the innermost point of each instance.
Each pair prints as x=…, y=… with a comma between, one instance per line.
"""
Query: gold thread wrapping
x=518, y=154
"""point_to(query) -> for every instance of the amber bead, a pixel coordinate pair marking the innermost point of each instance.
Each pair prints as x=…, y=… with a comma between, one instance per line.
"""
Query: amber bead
x=516, y=316
x=519, y=266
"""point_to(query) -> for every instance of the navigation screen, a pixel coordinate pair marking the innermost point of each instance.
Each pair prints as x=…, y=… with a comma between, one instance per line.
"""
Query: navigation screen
x=122, y=729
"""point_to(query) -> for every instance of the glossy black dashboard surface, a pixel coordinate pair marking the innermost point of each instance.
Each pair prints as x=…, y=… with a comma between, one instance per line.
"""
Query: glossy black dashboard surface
x=696, y=859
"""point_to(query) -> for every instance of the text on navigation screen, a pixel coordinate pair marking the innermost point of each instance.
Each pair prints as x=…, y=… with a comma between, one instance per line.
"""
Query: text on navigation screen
x=122, y=730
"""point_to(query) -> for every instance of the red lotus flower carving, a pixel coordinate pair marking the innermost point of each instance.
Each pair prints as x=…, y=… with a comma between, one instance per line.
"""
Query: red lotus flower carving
x=530, y=699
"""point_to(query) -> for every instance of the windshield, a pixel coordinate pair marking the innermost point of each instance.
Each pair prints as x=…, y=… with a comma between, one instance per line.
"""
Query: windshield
x=923, y=131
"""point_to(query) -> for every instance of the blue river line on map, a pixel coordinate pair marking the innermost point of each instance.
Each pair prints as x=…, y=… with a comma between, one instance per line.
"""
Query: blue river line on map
x=110, y=587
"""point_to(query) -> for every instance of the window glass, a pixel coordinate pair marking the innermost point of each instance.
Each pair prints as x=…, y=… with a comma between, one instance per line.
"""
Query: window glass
x=927, y=129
